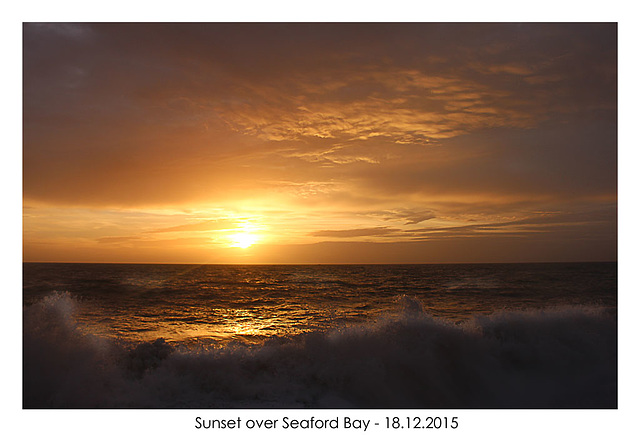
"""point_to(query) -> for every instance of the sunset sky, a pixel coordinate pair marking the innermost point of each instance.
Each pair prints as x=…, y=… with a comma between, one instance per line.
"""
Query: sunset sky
x=320, y=143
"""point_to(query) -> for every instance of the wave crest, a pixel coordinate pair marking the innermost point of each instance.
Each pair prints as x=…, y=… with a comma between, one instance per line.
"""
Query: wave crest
x=554, y=358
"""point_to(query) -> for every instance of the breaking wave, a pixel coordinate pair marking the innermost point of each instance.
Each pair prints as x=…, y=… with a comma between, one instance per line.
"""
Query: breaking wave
x=556, y=358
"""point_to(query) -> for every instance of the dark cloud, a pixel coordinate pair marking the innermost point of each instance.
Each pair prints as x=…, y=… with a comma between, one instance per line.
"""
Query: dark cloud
x=544, y=221
x=102, y=100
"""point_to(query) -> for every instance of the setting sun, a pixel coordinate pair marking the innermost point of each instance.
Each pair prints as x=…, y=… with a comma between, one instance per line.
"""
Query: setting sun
x=243, y=239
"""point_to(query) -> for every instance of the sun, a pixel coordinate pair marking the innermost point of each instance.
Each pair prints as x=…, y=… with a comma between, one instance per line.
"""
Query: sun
x=243, y=239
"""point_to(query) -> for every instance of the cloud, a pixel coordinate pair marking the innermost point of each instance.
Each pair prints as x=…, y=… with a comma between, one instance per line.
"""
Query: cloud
x=355, y=233
x=179, y=117
x=118, y=239
x=402, y=106
x=409, y=216
x=598, y=222
x=202, y=226
x=508, y=68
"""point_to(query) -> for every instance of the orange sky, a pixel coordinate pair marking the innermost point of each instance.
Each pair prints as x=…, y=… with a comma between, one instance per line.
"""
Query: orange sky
x=320, y=143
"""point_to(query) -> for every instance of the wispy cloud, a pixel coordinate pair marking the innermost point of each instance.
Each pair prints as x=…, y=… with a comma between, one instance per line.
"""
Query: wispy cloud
x=202, y=226
x=355, y=233
x=406, y=215
x=118, y=239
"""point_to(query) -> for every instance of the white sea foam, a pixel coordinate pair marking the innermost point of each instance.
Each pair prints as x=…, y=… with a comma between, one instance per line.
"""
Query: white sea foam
x=563, y=357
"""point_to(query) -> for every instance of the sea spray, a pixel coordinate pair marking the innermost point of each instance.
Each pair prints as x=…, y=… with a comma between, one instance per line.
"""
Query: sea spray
x=555, y=358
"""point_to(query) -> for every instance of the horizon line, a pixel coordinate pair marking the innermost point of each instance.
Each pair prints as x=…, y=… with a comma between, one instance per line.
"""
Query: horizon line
x=318, y=263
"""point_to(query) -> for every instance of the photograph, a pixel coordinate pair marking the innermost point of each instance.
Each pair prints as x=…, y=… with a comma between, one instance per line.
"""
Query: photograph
x=326, y=216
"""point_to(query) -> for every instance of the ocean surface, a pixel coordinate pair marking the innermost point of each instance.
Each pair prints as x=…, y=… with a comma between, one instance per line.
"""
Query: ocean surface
x=321, y=336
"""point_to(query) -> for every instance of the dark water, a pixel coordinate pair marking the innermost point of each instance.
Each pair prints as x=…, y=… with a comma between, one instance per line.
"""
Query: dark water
x=505, y=335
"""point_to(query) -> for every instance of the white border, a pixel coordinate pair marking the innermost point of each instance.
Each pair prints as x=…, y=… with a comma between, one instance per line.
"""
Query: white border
x=173, y=426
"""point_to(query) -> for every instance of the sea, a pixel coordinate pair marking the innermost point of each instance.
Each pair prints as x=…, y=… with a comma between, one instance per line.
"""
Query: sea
x=482, y=336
